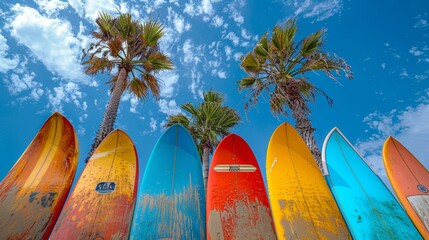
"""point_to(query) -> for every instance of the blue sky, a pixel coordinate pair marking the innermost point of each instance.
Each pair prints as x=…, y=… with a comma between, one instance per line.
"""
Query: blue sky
x=386, y=45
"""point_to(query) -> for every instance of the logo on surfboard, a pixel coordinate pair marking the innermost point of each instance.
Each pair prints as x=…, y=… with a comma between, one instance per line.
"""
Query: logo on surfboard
x=422, y=188
x=105, y=187
x=234, y=168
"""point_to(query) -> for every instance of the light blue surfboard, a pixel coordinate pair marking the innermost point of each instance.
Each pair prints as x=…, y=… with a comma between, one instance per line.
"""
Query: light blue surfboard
x=368, y=207
x=171, y=199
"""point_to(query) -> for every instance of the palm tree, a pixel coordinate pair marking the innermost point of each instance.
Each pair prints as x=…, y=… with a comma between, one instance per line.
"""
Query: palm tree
x=278, y=65
x=208, y=123
x=131, y=48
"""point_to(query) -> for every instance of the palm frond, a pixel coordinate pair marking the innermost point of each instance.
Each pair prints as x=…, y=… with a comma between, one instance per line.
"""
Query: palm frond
x=152, y=32
x=138, y=88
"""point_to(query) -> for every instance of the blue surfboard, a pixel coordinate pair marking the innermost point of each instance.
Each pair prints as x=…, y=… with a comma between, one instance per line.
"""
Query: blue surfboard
x=368, y=207
x=171, y=198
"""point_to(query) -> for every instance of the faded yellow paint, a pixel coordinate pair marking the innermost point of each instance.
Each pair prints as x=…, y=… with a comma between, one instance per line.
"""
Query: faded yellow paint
x=301, y=202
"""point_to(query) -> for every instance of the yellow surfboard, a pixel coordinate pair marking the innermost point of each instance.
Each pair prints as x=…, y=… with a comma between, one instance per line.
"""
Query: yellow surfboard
x=301, y=202
x=102, y=203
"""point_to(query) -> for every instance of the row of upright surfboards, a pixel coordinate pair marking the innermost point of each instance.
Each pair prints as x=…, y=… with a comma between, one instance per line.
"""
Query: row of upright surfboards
x=348, y=202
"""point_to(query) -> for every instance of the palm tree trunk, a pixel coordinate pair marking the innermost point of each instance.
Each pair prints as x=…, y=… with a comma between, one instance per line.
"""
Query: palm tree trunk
x=109, y=117
x=303, y=125
x=206, y=154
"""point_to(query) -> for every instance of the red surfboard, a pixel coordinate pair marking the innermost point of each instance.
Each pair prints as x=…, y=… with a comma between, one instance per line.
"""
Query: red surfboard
x=237, y=202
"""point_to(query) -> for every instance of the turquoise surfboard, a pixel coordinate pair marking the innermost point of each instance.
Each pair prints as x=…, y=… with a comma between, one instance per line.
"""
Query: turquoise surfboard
x=171, y=199
x=368, y=207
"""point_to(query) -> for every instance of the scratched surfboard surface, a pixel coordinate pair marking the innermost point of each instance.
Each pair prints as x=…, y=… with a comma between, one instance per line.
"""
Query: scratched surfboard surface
x=369, y=208
x=410, y=180
x=302, y=204
x=33, y=192
x=237, y=202
x=171, y=199
x=101, y=204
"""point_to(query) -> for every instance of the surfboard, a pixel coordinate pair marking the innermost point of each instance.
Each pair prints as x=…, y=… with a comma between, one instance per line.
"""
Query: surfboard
x=410, y=181
x=302, y=204
x=237, y=203
x=368, y=207
x=33, y=192
x=171, y=197
x=101, y=204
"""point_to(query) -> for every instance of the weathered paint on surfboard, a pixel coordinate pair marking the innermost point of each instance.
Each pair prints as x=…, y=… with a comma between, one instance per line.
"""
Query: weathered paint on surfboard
x=33, y=192
x=171, y=199
x=410, y=180
x=302, y=204
x=102, y=202
x=369, y=208
x=237, y=203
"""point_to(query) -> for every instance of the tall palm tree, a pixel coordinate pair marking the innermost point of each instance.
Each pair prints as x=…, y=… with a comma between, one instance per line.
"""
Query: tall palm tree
x=279, y=64
x=208, y=123
x=131, y=48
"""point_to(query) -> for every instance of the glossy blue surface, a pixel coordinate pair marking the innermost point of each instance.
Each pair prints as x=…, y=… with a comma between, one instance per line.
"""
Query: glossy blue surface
x=368, y=207
x=171, y=199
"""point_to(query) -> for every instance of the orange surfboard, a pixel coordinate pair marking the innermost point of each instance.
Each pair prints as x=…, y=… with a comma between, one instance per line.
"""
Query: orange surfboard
x=237, y=203
x=410, y=180
x=33, y=192
x=102, y=203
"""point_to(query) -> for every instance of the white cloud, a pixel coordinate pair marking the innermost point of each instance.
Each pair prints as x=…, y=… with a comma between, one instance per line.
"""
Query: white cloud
x=219, y=73
x=217, y=21
x=234, y=38
x=51, y=41
x=6, y=63
x=409, y=126
x=51, y=7
x=415, y=52
x=153, y=124
x=383, y=65
x=168, y=83
x=228, y=52
x=233, y=10
x=94, y=7
x=237, y=56
x=319, y=9
x=78, y=6
x=192, y=53
x=17, y=84
x=179, y=23
x=194, y=9
x=421, y=23
x=65, y=93
x=196, y=84
x=245, y=34
x=134, y=102
x=168, y=107
x=404, y=73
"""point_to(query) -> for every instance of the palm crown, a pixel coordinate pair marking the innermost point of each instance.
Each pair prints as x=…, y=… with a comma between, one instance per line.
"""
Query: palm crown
x=133, y=48
x=131, y=45
x=278, y=64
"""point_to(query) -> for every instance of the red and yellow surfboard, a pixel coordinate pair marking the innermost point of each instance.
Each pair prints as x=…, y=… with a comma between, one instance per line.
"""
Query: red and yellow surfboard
x=33, y=192
x=102, y=203
x=237, y=202
x=410, y=180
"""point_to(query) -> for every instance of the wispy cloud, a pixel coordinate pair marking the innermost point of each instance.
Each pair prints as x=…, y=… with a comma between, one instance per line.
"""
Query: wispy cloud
x=6, y=63
x=318, y=9
x=408, y=125
x=415, y=51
